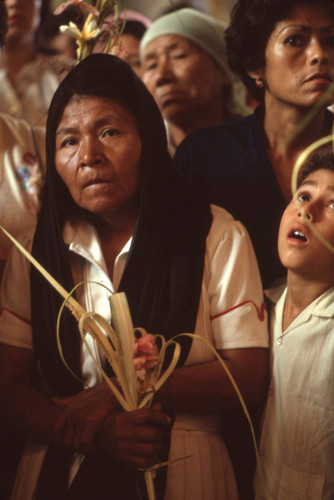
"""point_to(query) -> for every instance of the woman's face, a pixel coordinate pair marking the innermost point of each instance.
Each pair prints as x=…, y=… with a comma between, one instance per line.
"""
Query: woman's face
x=97, y=154
x=300, y=57
x=182, y=77
x=23, y=19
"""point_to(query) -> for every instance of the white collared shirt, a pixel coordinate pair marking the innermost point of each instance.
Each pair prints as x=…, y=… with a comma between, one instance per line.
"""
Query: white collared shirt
x=297, y=440
x=231, y=296
x=228, y=318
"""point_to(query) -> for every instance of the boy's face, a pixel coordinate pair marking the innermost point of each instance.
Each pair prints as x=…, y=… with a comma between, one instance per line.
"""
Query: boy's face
x=300, y=250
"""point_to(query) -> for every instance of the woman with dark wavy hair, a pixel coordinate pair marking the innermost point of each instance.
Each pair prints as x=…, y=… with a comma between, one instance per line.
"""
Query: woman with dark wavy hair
x=283, y=50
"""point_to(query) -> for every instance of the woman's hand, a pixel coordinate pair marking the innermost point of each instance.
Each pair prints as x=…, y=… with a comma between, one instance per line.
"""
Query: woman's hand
x=135, y=438
x=83, y=416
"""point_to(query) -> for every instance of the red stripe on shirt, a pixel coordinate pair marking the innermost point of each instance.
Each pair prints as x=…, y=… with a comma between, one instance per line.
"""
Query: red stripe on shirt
x=260, y=311
x=14, y=314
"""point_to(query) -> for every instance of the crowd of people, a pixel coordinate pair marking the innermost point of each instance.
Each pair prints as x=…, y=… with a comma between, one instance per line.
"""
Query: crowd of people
x=146, y=171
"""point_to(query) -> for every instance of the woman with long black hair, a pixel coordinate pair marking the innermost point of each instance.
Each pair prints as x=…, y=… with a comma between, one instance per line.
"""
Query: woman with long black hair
x=113, y=212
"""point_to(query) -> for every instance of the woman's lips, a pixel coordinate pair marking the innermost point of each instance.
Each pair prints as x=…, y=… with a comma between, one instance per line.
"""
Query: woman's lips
x=171, y=96
x=15, y=19
x=320, y=76
x=96, y=182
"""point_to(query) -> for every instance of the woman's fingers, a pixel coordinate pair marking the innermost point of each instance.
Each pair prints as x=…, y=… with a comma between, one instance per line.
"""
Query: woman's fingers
x=89, y=421
x=82, y=417
x=136, y=437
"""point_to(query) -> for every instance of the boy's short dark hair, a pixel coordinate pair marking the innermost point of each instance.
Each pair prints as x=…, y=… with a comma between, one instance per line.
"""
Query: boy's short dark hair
x=322, y=158
x=252, y=22
x=134, y=28
x=3, y=22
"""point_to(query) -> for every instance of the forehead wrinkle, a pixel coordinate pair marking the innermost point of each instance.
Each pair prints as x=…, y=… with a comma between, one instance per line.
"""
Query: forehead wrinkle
x=107, y=119
x=306, y=28
x=307, y=183
x=153, y=52
x=67, y=130
x=314, y=184
x=98, y=123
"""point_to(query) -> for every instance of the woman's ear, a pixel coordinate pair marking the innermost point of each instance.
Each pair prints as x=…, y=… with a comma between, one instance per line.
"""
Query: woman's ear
x=256, y=74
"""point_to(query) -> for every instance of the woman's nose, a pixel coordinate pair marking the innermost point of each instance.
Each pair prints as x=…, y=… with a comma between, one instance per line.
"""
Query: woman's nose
x=164, y=73
x=318, y=53
x=90, y=154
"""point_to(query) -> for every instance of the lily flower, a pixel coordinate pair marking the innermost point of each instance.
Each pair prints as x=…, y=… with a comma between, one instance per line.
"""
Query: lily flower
x=90, y=30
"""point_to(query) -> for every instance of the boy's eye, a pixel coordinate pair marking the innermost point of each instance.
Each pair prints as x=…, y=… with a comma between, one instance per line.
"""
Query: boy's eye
x=331, y=205
x=302, y=197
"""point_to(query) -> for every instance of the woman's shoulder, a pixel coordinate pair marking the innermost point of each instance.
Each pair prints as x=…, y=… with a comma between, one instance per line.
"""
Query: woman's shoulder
x=238, y=127
x=25, y=239
x=223, y=142
x=220, y=216
x=18, y=128
x=51, y=66
x=224, y=226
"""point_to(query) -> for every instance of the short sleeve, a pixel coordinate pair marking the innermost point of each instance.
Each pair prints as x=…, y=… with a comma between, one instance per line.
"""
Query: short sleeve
x=237, y=310
x=22, y=168
x=15, y=326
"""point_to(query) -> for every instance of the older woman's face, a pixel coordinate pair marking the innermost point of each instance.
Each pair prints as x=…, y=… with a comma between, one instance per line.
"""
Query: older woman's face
x=98, y=151
x=300, y=57
x=182, y=77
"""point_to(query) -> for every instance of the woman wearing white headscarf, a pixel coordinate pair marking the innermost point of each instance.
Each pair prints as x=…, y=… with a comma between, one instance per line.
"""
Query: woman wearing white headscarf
x=184, y=67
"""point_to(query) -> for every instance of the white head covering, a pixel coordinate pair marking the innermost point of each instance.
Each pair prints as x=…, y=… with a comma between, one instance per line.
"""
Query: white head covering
x=207, y=33
x=203, y=30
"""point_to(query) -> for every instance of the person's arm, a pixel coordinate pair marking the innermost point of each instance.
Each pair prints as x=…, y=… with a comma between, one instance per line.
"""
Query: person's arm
x=21, y=404
x=238, y=324
x=205, y=388
x=25, y=407
x=85, y=422
x=74, y=422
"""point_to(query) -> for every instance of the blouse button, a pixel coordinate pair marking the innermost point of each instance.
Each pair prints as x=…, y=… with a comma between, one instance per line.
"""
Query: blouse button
x=279, y=340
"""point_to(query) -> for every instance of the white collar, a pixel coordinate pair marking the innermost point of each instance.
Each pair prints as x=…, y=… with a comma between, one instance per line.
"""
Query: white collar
x=83, y=239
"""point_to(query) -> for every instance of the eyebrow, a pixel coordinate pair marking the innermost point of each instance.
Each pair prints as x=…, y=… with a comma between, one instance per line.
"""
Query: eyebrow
x=313, y=184
x=100, y=122
x=306, y=28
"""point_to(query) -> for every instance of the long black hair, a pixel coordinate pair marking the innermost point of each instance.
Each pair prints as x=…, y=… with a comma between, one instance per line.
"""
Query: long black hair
x=163, y=274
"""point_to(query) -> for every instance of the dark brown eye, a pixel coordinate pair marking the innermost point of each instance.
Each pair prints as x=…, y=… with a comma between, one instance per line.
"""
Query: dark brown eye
x=294, y=40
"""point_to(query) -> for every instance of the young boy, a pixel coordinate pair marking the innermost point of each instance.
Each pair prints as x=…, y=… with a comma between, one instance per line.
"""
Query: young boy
x=297, y=441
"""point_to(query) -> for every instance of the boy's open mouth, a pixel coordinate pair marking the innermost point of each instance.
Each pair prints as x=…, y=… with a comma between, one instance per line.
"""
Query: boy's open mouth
x=298, y=235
